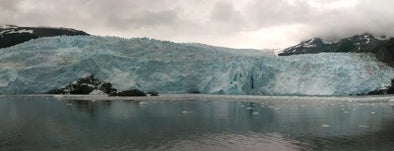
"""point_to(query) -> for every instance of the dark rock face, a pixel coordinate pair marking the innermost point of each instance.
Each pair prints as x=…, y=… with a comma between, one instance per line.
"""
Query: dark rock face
x=386, y=52
x=359, y=43
x=11, y=35
x=133, y=92
x=85, y=86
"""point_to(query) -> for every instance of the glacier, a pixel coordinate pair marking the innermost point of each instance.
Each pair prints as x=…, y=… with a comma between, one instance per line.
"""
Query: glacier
x=43, y=64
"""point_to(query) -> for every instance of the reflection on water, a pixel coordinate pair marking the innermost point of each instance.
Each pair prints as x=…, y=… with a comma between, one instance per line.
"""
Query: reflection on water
x=44, y=123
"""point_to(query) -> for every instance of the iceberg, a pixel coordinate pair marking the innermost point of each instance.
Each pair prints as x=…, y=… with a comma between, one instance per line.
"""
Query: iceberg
x=43, y=64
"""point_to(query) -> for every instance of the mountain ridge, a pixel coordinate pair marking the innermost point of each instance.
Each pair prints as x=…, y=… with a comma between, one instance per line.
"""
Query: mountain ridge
x=11, y=35
x=363, y=43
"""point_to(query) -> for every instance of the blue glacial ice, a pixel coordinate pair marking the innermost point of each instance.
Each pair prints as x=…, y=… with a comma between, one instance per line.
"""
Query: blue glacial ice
x=165, y=67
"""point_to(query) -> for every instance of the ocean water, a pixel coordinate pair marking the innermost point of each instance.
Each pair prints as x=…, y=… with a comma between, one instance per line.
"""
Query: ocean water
x=196, y=122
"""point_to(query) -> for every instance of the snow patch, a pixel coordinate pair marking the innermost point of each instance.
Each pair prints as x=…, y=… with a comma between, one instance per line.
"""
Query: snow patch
x=21, y=31
x=368, y=39
x=97, y=92
x=7, y=26
x=310, y=43
x=14, y=31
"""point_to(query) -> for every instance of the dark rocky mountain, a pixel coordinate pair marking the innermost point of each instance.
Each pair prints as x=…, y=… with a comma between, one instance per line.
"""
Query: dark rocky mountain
x=365, y=43
x=11, y=35
x=357, y=43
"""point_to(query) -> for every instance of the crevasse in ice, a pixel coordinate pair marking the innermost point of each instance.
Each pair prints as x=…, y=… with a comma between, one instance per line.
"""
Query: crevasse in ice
x=165, y=67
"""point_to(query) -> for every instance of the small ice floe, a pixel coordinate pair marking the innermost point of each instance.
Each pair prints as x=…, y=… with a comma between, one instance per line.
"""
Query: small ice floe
x=346, y=112
x=249, y=108
x=255, y=113
x=391, y=100
x=143, y=103
x=372, y=112
x=325, y=125
x=363, y=126
x=186, y=112
x=69, y=104
x=276, y=108
x=58, y=96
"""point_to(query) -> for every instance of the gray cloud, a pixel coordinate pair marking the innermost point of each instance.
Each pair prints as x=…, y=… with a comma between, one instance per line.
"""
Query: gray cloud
x=231, y=23
x=271, y=13
x=144, y=19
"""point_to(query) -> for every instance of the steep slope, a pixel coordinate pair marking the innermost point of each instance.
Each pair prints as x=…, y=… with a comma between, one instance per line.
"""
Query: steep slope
x=386, y=52
x=44, y=64
x=11, y=35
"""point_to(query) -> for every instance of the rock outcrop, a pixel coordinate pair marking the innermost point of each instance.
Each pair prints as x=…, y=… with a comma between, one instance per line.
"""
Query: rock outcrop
x=133, y=92
x=87, y=85
x=93, y=86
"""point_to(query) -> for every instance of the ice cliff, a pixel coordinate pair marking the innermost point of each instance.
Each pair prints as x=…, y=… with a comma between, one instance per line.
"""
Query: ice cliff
x=150, y=65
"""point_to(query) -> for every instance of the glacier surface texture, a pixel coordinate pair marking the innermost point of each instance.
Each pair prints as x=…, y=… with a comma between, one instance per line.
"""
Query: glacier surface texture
x=150, y=65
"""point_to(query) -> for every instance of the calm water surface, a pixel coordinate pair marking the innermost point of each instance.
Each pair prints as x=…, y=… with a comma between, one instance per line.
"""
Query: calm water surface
x=47, y=123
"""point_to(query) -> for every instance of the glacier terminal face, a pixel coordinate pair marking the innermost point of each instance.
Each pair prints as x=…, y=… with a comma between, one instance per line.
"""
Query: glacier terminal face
x=40, y=65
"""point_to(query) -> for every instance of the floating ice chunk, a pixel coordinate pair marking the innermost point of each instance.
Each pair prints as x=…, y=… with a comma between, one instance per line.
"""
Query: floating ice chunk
x=58, y=96
x=373, y=112
x=325, y=125
x=143, y=103
x=186, y=112
x=255, y=113
x=249, y=108
x=363, y=126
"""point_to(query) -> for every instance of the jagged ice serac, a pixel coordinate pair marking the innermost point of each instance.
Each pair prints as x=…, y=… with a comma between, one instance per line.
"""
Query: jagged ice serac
x=43, y=64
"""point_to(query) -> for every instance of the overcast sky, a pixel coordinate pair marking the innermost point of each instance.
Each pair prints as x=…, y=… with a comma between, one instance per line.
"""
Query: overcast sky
x=230, y=23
